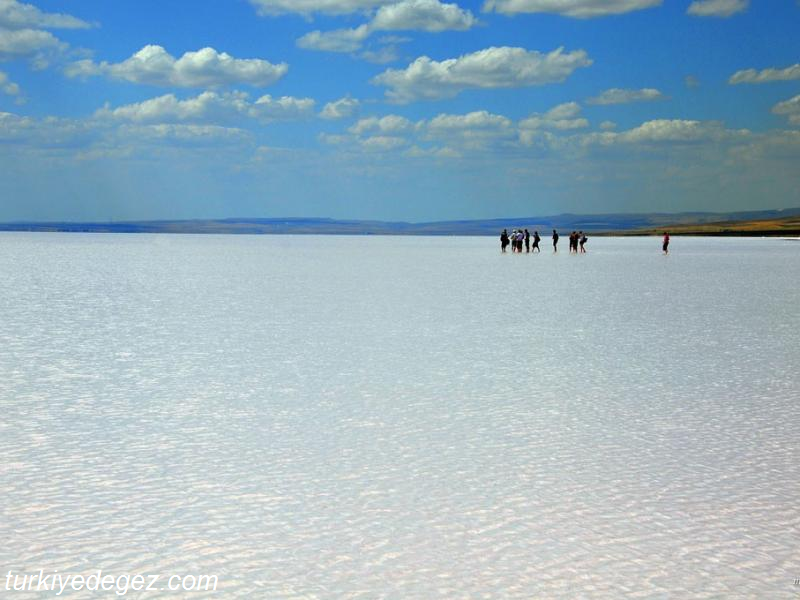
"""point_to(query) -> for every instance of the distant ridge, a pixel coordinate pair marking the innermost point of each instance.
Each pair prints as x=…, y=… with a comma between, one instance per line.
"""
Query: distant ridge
x=759, y=222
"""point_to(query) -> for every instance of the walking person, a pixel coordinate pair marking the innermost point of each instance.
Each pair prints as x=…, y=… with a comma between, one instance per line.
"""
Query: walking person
x=584, y=239
x=555, y=241
x=536, y=240
x=665, y=246
x=503, y=241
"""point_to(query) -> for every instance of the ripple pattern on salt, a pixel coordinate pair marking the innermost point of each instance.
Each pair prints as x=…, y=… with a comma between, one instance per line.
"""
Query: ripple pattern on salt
x=402, y=418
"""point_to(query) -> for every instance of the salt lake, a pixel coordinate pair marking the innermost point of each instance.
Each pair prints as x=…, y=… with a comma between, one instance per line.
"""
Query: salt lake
x=391, y=417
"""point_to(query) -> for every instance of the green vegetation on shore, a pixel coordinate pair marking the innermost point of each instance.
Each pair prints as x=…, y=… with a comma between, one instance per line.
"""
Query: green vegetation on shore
x=787, y=226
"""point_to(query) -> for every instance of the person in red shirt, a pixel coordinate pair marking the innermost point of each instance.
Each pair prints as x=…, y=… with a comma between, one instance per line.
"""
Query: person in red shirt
x=665, y=247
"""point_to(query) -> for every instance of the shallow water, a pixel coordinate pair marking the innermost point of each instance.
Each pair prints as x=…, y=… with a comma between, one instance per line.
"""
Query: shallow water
x=383, y=417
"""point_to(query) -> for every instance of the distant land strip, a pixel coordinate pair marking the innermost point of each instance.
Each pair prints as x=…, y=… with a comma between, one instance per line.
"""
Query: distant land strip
x=783, y=222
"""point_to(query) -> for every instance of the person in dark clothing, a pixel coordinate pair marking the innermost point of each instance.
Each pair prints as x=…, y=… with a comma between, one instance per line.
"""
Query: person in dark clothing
x=665, y=246
x=555, y=241
x=527, y=241
x=503, y=241
x=584, y=239
x=536, y=239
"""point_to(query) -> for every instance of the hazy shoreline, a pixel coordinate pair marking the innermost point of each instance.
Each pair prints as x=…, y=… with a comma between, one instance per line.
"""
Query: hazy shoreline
x=767, y=223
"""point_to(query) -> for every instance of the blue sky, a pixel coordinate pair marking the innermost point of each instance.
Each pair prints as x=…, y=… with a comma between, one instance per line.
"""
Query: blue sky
x=396, y=109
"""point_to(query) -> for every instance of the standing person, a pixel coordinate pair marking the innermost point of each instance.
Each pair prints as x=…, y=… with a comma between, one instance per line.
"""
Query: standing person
x=527, y=241
x=503, y=240
x=520, y=238
x=536, y=239
x=665, y=246
x=555, y=241
x=584, y=239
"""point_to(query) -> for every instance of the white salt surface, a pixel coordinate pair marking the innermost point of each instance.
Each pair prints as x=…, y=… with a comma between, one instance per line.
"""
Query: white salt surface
x=352, y=417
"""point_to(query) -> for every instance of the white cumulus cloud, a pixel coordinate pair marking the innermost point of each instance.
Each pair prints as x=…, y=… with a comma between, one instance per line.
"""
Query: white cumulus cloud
x=375, y=134
x=20, y=43
x=337, y=40
x=581, y=9
x=18, y=15
x=7, y=86
x=286, y=107
x=623, y=96
x=87, y=138
x=766, y=75
x=564, y=117
x=383, y=143
x=475, y=120
x=340, y=109
x=310, y=7
x=181, y=135
x=45, y=133
x=790, y=108
x=473, y=131
x=406, y=15
x=210, y=107
x=153, y=65
x=503, y=67
x=422, y=15
x=717, y=8
x=390, y=124
x=23, y=35
x=678, y=131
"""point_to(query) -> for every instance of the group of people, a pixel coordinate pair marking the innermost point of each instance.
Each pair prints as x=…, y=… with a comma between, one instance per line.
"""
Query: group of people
x=518, y=238
x=577, y=241
x=522, y=237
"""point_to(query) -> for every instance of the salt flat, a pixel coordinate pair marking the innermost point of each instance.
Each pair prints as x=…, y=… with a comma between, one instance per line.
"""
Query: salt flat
x=384, y=417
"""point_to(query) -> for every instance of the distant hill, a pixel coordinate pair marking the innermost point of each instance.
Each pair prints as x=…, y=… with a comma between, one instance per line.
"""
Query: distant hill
x=763, y=222
x=786, y=226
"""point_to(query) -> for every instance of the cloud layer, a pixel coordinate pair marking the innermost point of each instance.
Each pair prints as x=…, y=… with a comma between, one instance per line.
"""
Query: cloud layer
x=17, y=15
x=310, y=7
x=503, y=67
x=340, y=109
x=790, y=108
x=560, y=131
x=210, y=107
x=23, y=35
x=622, y=96
x=7, y=86
x=563, y=117
x=407, y=15
x=580, y=9
x=717, y=8
x=153, y=65
x=766, y=75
